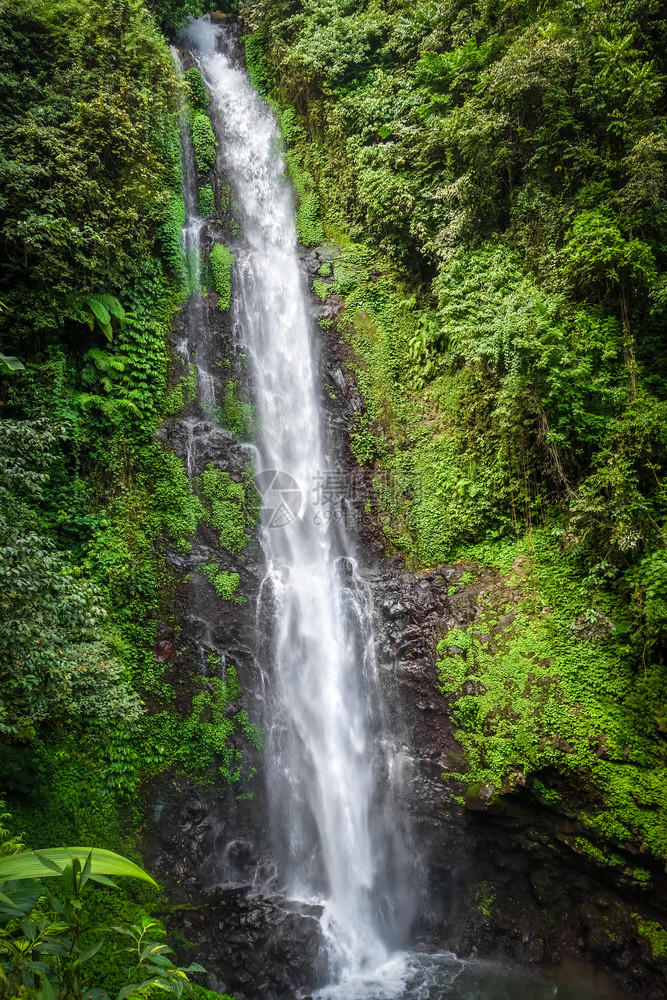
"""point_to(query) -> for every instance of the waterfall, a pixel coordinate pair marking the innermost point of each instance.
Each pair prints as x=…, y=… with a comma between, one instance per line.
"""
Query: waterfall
x=336, y=825
x=328, y=779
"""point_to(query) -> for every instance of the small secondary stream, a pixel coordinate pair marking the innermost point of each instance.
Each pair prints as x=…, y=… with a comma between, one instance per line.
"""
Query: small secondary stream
x=338, y=830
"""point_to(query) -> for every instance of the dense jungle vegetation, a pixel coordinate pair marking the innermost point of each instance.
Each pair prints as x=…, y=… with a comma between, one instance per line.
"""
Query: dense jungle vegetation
x=493, y=178
x=92, y=274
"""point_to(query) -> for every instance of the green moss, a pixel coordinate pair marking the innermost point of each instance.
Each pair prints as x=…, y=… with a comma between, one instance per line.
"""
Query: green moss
x=308, y=225
x=546, y=794
x=291, y=128
x=253, y=732
x=222, y=264
x=182, y=394
x=655, y=934
x=206, y=204
x=237, y=416
x=199, y=96
x=308, y=222
x=225, y=195
x=201, y=993
x=230, y=507
x=641, y=876
x=364, y=444
x=486, y=898
x=210, y=705
x=259, y=70
x=173, y=403
x=190, y=384
x=203, y=141
x=594, y=854
x=170, y=235
x=322, y=290
x=526, y=697
x=225, y=584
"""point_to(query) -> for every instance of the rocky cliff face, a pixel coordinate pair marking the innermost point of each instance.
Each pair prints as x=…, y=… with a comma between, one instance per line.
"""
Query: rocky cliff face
x=497, y=875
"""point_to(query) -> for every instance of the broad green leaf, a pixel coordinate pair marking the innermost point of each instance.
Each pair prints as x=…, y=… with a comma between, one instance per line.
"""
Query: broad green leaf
x=112, y=305
x=103, y=880
x=46, y=992
x=90, y=952
x=100, y=311
x=136, y=987
x=30, y=865
x=18, y=900
x=29, y=928
x=8, y=363
x=57, y=869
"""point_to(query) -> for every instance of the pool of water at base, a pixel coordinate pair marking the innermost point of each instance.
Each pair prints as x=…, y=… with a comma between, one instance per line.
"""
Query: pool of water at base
x=443, y=976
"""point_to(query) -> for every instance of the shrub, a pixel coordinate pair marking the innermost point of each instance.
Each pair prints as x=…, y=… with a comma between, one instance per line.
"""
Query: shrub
x=222, y=262
x=203, y=141
x=206, y=204
x=225, y=584
x=198, y=92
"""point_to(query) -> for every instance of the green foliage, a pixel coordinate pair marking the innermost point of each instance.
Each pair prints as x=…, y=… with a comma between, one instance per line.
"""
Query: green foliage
x=253, y=732
x=655, y=934
x=183, y=393
x=211, y=704
x=203, y=141
x=308, y=225
x=206, y=205
x=236, y=415
x=230, y=507
x=48, y=940
x=90, y=501
x=494, y=181
x=225, y=584
x=597, y=253
x=56, y=654
x=364, y=444
x=199, y=97
x=257, y=63
x=49, y=862
x=526, y=698
x=225, y=196
x=173, y=14
x=170, y=234
x=190, y=384
x=89, y=158
x=222, y=264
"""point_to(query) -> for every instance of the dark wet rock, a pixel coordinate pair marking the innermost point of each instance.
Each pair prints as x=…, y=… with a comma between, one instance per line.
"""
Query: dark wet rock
x=164, y=649
x=332, y=308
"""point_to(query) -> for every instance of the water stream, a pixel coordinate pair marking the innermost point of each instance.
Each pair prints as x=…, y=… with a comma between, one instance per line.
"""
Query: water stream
x=336, y=827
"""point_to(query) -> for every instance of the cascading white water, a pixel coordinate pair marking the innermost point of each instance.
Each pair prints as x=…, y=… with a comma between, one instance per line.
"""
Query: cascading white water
x=322, y=764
